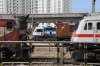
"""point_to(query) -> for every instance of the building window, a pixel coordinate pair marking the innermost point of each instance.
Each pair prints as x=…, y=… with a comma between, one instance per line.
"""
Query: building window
x=42, y=4
x=48, y=24
x=36, y=10
x=54, y=9
x=58, y=2
x=42, y=23
x=48, y=10
x=58, y=9
x=58, y=5
x=36, y=4
x=48, y=7
x=35, y=1
x=54, y=6
x=48, y=0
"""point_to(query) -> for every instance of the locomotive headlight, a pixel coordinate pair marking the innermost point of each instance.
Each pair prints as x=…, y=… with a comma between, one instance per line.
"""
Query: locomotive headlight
x=54, y=32
x=46, y=32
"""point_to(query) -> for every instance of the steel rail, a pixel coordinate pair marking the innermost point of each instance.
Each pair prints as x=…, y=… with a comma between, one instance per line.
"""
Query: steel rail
x=50, y=63
x=46, y=42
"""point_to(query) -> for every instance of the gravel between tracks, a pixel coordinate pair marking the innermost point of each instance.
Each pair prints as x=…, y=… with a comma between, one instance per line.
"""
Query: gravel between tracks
x=48, y=52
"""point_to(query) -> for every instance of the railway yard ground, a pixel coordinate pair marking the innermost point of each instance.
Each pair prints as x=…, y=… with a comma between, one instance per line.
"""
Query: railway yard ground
x=45, y=52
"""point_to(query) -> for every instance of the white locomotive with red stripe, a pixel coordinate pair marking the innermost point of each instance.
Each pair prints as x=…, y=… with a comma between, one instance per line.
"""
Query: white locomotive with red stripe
x=87, y=30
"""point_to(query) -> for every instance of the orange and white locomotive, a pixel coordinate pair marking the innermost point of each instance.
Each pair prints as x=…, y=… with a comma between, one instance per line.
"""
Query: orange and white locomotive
x=87, y=30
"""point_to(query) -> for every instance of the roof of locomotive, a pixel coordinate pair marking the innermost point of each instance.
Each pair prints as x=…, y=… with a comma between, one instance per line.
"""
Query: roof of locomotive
x=39, y=27
x=92, y=17
x=9, y=19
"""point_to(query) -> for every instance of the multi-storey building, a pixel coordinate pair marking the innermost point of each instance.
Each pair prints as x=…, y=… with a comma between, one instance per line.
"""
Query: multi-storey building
x=14, y=6
x=3, y=6
x=34, y=6
x=51, y=6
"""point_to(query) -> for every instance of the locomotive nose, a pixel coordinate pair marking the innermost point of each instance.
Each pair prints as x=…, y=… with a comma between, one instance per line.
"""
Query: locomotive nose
x=7, y=53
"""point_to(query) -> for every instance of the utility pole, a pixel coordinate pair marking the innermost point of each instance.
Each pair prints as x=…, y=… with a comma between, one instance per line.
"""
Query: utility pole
x=32, y=26
x=93, y=6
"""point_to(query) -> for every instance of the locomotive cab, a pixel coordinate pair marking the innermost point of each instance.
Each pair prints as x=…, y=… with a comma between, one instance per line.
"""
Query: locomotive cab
x=38, y=32
x=88, y=30
x=6, y=31
x=44, y=33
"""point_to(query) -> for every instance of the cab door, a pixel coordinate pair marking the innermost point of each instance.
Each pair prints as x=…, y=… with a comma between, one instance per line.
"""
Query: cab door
x=97, y=31
x=88, y=32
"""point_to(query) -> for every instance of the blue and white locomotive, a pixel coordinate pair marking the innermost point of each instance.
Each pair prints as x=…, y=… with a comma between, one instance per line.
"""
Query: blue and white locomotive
x=44, y=33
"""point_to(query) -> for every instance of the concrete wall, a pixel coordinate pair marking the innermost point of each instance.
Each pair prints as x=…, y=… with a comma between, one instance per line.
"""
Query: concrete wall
x=56, y=19
x=49, y=17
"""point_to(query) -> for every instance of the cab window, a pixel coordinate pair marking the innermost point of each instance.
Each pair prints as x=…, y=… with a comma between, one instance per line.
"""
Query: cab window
x=85, y=28
x=9, y=25
x=88, y=26
x=39, y=30
x=98, y=26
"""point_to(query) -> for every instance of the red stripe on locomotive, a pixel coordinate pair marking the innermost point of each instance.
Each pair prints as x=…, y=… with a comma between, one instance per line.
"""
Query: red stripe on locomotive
x=87, y=35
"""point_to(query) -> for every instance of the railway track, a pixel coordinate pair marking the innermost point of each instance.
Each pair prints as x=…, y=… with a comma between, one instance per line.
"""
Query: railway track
x=46, y=64
x=46, y=60
x=40, y=60
x=54, y=60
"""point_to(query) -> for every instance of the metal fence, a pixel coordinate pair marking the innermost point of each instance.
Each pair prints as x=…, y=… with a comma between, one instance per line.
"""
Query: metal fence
x=57, y=42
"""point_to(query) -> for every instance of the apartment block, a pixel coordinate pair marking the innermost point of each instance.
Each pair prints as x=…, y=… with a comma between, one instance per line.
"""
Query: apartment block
x=35, y=6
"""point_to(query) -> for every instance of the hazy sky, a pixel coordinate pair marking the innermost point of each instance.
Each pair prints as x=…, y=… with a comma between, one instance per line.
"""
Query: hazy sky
x=84, y=5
